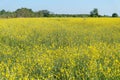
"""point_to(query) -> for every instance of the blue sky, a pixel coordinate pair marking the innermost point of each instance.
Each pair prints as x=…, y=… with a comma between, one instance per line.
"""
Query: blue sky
x=64, y=6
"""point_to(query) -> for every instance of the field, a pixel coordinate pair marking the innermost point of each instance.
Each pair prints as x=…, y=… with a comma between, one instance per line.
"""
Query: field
x=60, y=49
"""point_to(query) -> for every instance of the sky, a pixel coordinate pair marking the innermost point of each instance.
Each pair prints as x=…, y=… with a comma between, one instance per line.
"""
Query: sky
x=105, y=7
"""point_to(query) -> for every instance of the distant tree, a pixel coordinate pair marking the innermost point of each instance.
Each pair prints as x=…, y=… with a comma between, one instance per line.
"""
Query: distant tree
x=5, y=14
x=10, y=14
x=94, y=13
x=24, y=12
x=39, y=14
x=2, y=12
x=114, y=15
x=106, y=16
x=46, y=13
x=42, y=13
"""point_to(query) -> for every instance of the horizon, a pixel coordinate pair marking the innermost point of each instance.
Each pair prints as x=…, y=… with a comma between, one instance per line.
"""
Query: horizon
x=64, y=7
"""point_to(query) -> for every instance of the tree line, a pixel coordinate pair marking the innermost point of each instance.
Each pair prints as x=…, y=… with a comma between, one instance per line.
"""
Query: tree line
x=25, y=12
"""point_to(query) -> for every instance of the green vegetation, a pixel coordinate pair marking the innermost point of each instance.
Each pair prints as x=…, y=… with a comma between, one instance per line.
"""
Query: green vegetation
x=25, y=12
x=114, y=15
x=94, y=13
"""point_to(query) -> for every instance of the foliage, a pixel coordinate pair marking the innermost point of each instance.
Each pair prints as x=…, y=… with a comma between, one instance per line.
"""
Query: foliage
x=114, y=15
x=60, y=49
x=94, y=13
x=25, y=12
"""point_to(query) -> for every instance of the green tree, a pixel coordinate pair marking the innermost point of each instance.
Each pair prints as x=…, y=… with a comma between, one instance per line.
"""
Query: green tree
x=24, y=12
x=42, y=13
x=114, y=15
x=2, y=12
x=94, y=13
x=46, y=13
x=39, y=14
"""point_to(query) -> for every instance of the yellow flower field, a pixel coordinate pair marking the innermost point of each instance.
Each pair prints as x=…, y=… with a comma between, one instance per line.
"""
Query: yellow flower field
x=60, y=49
